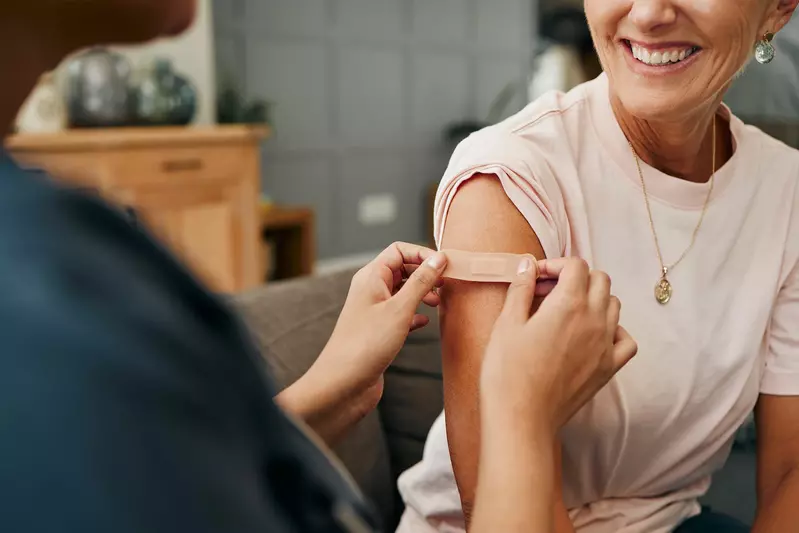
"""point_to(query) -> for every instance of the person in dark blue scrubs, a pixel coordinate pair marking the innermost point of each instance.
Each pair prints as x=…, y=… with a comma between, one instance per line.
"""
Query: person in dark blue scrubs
x=132, y=400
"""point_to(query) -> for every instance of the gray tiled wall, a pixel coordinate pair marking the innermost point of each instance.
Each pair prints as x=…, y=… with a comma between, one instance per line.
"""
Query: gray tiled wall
x=363, y=90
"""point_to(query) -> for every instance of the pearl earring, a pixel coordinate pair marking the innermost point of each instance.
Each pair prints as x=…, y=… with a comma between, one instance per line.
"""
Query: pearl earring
x=764, y=50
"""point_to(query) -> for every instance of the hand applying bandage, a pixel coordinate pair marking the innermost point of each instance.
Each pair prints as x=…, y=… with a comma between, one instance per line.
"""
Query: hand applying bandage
x=539, y=369
x=578, y=322
x=346, y=382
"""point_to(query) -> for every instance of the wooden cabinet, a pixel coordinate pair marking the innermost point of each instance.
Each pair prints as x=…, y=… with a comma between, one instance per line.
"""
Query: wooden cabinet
x=197, y=189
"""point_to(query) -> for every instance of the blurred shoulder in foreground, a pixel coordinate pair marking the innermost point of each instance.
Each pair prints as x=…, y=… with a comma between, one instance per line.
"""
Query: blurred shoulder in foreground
x=130, y=398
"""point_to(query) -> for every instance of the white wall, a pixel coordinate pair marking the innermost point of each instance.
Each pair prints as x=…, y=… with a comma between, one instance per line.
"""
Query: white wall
x=193, y=55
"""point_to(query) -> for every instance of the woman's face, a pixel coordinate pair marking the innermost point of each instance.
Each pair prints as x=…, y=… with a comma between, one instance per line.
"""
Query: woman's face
x=665, y=58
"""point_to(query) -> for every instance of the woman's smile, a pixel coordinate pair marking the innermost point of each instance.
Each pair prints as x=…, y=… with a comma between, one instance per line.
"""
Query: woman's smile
x=657, y=59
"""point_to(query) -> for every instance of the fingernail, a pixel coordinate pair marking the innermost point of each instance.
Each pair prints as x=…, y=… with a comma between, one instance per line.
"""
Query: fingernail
x=525, y=266
x=436, y=262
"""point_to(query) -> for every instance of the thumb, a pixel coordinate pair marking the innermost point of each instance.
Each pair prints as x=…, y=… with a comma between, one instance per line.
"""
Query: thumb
x=422, y=281
x=522, y=291
x=624, y=348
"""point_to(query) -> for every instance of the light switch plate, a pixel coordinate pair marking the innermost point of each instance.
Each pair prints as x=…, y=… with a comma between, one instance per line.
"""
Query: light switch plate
x=377, y=209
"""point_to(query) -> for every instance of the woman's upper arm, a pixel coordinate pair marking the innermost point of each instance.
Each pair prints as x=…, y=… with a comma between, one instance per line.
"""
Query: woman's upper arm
x=777, y=420
x=777, y=412
x=480, y=218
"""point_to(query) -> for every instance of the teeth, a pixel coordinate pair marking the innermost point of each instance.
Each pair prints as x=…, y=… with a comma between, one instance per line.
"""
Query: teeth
x=660, y=57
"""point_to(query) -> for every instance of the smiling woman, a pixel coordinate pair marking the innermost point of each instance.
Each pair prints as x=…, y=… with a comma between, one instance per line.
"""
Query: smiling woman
x=138, y=402
x=646, y=175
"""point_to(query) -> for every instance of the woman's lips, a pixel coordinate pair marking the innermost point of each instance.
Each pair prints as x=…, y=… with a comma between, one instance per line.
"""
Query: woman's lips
x=662, y=58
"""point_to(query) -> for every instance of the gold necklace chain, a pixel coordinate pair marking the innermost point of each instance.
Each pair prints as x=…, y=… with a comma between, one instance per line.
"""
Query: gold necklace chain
x=663, y=288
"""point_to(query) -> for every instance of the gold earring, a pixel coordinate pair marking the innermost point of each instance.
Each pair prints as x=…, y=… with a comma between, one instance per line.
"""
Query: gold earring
x=764, y=50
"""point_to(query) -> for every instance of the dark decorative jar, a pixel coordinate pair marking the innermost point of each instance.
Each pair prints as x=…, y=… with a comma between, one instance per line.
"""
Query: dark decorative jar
x=162, y=97
x=97, y=89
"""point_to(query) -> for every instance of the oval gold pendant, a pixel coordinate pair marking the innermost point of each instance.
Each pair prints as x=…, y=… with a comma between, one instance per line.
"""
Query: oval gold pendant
x=663, y=291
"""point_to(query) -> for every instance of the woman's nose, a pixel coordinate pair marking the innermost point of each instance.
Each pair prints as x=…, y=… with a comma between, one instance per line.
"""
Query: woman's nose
x=650, y=15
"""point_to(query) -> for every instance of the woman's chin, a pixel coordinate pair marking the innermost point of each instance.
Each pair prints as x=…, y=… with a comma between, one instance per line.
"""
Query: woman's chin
x=655, y=106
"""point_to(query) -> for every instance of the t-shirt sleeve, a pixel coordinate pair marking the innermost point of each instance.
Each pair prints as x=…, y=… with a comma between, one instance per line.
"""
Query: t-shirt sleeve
x=525, y=177
x=781, y=373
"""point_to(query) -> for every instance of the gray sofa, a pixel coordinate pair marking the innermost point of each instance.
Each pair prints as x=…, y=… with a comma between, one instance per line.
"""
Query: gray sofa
x=291, y=321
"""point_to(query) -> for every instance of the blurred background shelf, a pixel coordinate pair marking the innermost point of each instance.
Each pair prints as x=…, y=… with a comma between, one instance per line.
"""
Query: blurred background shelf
x=197, y=189
x=287, y=235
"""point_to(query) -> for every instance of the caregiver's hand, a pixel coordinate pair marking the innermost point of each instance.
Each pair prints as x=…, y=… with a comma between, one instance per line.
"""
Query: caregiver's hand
x=537, y=372
x=346, y=382
x=558, y=359
x=380, y=311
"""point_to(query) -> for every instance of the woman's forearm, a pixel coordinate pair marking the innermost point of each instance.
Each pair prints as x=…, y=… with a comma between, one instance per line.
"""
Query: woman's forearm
x=516, y=479
x=780, y=513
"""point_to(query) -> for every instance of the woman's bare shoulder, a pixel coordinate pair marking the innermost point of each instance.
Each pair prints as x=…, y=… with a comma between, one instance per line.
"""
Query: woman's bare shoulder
x=483, y=219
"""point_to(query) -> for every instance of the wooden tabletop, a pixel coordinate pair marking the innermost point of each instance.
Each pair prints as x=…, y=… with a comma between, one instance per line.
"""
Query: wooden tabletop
x=91, y=139
x=277, y=216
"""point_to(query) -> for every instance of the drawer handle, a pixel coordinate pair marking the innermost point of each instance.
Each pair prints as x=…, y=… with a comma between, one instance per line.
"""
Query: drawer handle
x=182, y=165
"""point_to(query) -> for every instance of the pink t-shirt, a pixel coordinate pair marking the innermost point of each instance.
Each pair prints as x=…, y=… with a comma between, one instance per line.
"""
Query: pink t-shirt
x=640, y=454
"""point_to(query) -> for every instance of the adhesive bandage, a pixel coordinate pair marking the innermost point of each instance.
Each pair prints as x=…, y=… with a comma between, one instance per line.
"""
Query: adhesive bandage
x=484, y=267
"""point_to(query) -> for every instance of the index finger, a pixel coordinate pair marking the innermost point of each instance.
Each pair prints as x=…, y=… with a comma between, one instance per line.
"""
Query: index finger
x=571, y=272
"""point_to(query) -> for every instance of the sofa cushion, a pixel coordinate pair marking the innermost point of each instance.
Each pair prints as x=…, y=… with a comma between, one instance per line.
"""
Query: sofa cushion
x=413, y=397
x=291, y=323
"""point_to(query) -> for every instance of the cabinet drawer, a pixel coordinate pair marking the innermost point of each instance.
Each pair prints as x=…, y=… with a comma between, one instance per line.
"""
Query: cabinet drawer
x=173, y=165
